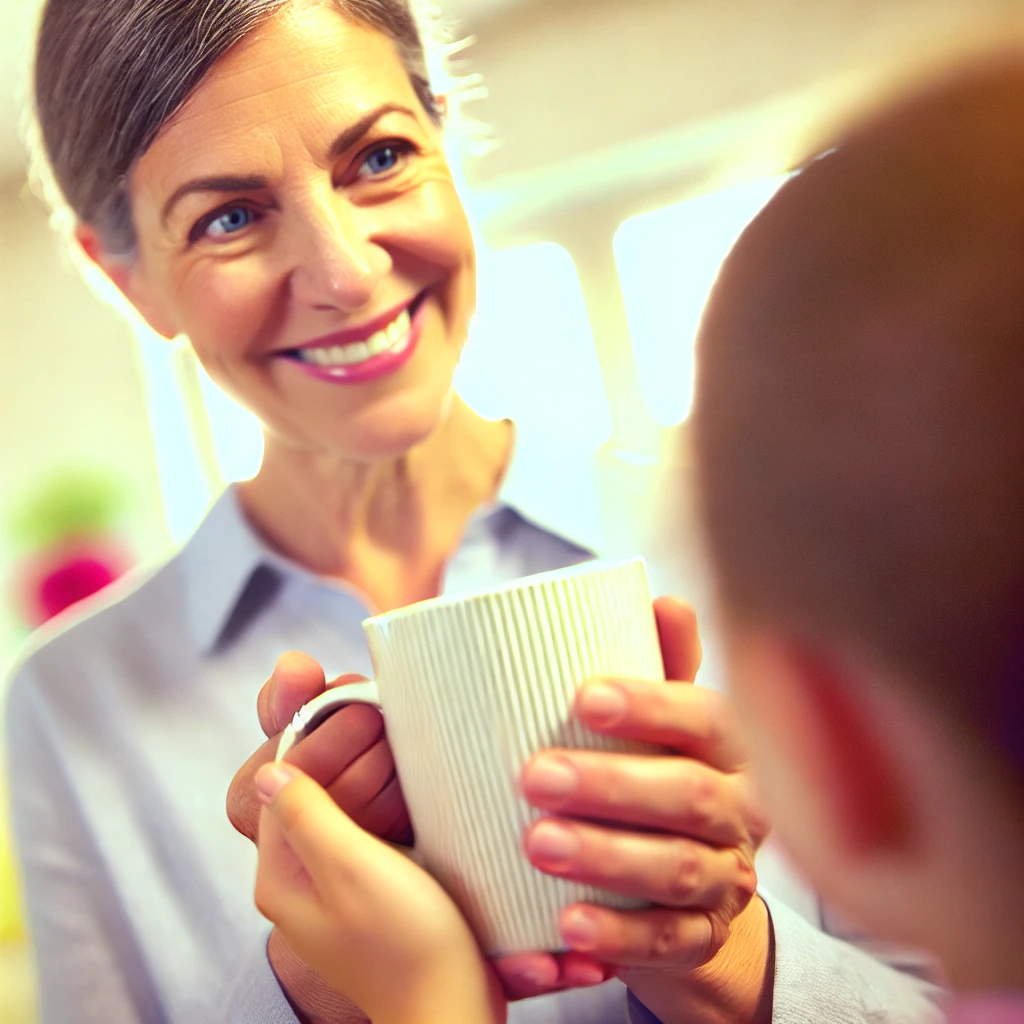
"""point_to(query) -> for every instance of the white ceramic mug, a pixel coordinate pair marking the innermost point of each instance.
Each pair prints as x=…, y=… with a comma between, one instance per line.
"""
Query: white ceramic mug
x=471, y=687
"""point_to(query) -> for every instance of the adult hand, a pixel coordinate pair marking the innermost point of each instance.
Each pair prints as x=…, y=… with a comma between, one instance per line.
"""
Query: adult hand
x=348, y=755
x=686, y=830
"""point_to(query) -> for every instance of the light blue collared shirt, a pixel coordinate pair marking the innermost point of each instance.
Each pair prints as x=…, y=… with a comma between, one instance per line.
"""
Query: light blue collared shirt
x=126, y=727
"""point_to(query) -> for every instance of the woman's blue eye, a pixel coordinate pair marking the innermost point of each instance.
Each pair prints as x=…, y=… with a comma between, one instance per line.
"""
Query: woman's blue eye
x=237, y=218
x=380, y=161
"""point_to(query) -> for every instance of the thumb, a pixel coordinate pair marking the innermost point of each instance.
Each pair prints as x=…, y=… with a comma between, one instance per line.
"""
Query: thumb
x=296, y=680
x=679, y=637
x=320, y=834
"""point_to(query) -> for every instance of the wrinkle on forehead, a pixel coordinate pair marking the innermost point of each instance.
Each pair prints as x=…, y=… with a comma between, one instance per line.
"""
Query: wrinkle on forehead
x=316, y=52
x=294, y=84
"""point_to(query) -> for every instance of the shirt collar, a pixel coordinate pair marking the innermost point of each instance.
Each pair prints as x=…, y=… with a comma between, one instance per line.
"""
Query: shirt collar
x=218, y=562
x=544, y=484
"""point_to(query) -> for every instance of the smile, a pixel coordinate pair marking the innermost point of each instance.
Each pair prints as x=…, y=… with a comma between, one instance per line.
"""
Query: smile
x=393, y=338
x=363, y=353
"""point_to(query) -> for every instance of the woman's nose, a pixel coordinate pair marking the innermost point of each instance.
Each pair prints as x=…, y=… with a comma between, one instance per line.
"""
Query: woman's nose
x=336, y=262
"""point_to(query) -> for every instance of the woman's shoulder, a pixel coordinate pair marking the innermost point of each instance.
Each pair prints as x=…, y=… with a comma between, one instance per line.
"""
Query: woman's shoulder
x=97, y=637
x=163, y=608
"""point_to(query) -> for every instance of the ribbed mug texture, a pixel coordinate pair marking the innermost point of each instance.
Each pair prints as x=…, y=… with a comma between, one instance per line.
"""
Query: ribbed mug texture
x=473, y=687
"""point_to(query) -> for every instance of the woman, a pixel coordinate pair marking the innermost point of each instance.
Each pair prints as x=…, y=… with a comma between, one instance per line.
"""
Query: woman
x=266, y=177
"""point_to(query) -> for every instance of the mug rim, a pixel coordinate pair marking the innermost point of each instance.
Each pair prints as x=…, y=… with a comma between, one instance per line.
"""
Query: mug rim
x=586, y=568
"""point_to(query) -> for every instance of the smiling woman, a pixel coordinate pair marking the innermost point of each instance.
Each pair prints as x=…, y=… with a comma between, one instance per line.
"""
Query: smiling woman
x=292, y=252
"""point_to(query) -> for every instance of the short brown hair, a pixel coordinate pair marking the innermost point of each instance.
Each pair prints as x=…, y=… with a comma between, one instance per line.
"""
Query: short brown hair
x=859, y=417
x=110, y=73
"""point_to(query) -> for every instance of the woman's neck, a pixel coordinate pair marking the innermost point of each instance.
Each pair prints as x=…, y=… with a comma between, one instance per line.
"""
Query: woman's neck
x=389, y=526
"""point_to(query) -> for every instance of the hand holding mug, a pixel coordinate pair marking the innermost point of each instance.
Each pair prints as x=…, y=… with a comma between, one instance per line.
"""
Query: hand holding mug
x=365, y=918
x=351, y=758
x=680, y=831
x=471, y=686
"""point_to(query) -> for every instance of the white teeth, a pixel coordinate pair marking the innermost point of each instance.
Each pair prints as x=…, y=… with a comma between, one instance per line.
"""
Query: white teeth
x=395, y=338
x=380, y=342
x=400, y=326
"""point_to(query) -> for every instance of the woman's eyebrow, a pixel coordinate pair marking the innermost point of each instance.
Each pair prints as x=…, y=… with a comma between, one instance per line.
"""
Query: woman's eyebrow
x=228, y=183
x=218, y=183
x=351, y=135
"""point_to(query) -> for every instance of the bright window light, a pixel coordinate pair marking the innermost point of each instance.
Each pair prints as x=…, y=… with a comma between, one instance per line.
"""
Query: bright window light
x=531, y=352
x=186, y=494
x=668, y=260
x=237, y=436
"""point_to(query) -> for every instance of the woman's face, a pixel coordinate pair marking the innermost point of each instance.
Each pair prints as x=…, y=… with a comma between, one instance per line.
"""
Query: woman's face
x=297, y=220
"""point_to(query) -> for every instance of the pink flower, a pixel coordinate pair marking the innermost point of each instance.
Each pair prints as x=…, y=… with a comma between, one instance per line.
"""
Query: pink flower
x=72, y=582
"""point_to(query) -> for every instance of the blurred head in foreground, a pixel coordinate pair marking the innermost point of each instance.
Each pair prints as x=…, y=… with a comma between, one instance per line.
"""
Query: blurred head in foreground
x=859, y=427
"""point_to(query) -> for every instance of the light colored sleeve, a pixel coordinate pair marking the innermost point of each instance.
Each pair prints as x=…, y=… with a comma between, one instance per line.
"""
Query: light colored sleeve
x=254, y=995
x=603, y=1004
x=819, y=978
x=822, y=977
x=87, y=967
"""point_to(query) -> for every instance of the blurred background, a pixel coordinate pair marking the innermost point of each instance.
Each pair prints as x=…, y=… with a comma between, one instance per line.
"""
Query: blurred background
x=630, y=144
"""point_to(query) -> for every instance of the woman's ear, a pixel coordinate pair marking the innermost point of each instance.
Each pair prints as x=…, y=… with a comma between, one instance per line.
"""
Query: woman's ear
x=124, y=273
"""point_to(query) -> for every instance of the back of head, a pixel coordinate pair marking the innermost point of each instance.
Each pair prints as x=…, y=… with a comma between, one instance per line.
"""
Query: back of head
x=859, y=421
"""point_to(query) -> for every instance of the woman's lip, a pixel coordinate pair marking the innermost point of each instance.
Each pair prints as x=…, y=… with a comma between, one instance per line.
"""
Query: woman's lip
x=353, y=334
x=373, y=368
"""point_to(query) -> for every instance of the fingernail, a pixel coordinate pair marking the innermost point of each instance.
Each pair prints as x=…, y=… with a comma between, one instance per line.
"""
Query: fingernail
x=271, y=778
x=551, y=776
x=554, y=844
x=603, y=704
x=579, y=929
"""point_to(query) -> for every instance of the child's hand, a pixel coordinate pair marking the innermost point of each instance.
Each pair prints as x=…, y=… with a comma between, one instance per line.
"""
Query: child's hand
x=373, y=924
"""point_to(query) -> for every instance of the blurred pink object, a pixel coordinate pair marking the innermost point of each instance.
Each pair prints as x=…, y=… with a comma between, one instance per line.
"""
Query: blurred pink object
x=64, y=576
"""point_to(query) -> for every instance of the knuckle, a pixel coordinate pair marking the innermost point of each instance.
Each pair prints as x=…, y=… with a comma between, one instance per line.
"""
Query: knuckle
x=664, y=939
x=292, y=816
x=606, y=785
x=685, y=880
x=703, y=800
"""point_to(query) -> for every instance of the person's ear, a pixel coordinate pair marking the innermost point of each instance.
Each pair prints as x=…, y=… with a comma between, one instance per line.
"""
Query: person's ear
x=124, y=273
x=835, y=789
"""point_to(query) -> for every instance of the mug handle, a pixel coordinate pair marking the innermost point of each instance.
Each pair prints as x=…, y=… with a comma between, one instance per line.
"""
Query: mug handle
x=319, y=709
